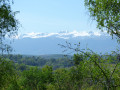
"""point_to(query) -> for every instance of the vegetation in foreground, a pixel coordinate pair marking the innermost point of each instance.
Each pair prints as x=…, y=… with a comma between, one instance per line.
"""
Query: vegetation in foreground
x=89, y=71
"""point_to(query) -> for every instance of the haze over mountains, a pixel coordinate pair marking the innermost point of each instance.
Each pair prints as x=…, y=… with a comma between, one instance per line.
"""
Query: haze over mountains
x=47, y=43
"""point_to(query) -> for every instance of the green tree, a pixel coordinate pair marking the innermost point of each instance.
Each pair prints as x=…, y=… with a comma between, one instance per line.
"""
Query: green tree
x=77, y=58
x=7, y=74
x=47, y=73
x=8, y=28
x=36, y=78
x=99, y=71
x=106, y=13
x=31, y=78
x=8, y=24
x=61, y=79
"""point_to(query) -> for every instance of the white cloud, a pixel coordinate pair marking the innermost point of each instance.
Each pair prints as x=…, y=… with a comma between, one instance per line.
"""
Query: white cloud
x=38, y=35
x=97, y=33
x=63, y=34
x=77, y=34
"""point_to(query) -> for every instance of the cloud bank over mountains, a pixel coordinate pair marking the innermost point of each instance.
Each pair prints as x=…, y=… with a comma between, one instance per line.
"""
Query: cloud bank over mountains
x=47, y=43
x=64, y=34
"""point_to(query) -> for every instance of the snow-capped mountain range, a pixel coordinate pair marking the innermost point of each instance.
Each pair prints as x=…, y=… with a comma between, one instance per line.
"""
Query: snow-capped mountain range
x=47, y=43
x=63, y=34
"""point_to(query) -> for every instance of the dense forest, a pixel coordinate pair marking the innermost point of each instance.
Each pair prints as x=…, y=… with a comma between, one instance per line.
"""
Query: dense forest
x=56, y=61
x=85, y=70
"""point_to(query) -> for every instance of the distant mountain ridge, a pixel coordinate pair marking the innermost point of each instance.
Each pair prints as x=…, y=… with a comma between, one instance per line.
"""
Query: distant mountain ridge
x=47, y=43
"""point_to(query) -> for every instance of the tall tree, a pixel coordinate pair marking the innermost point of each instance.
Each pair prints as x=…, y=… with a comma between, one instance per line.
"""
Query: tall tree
x=106, y=13
x=8, y=23
x=8, y=28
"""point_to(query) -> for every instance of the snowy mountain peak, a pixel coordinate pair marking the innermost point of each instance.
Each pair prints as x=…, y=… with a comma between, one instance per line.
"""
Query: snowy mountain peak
x=64, y=34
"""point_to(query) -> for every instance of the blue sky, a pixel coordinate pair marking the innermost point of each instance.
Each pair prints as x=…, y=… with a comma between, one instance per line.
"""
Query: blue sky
x=53, y=16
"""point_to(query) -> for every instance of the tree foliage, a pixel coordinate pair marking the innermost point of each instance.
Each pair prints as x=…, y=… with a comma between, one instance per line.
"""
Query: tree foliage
x=7, y=73
x=106, y=13
x=36, y=78
x=90, y=71
x=8, y=23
